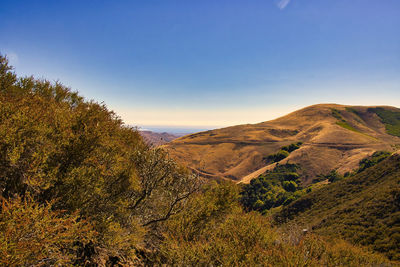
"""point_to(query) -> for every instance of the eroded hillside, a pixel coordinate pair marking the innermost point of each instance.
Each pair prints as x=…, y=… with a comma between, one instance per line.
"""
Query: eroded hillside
x=333, y=137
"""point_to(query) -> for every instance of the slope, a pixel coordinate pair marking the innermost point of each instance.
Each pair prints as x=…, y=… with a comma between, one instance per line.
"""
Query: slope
x=364, y=209
x=333, y=136
x=157, y=139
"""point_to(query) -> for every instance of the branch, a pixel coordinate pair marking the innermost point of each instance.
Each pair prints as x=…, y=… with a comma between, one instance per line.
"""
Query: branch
x=169, y=213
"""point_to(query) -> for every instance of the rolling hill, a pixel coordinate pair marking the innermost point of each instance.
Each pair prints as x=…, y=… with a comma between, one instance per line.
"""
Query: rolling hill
x=363, y=209
x=333, y=137
x=157, y=139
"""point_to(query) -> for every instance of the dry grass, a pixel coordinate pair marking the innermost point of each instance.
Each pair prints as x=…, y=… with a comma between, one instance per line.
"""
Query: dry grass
x=239, y=152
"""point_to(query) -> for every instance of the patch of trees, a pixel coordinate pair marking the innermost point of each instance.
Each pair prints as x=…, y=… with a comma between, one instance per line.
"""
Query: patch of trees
x=283, y=152
x=372, y=160
x=272, y=189
x=332, y=176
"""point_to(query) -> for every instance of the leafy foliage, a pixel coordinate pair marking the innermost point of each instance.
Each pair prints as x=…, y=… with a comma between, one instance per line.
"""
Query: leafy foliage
x=292, y=147
x=274, y=188
x=78, y=155
x=283, y=152
x=374, y=159
x=214, y=231
x=280, y=155
x=332, y=176
x=34, y=234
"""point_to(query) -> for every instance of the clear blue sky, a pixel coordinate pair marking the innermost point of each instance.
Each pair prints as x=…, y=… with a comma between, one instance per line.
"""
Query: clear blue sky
x=209, y=63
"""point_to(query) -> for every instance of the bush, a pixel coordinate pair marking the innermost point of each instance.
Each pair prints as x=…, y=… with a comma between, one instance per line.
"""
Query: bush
x=283, y=152
x=34, y=234
x=374, y=159
x=292, y=147
x=289, y=186
x=280, y=155
x=78, y=155
x=200, y=237
x=334, y=176
x=272, y=189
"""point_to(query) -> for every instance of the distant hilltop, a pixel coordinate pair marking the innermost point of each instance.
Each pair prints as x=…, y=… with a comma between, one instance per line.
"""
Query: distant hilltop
x=157, y=139
x=332, y=136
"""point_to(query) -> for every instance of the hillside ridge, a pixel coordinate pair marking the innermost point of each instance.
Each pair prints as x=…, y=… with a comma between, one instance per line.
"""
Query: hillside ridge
x=334, y=137
x=363, y=209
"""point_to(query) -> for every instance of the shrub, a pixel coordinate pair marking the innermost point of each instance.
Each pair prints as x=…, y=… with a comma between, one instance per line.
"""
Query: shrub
x=280, y=155
x=200, y=237
x=334, y=176
x=284, y=152
x=78, y=155
x=292, y=147
x=289, y=186
x=272, y=189
x=34, y=234
x=374, y=159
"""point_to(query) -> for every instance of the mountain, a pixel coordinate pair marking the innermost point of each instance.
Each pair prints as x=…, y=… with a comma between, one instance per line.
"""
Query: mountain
x=157, y=139
x=363, y=209
x=333, y=137
x=78, y=187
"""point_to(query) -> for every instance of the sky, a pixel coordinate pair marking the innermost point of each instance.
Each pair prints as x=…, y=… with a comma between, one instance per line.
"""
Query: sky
x=209, y=63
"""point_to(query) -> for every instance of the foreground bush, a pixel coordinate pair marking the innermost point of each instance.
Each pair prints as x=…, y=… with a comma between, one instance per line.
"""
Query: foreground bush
x=214, y=231
x=78, y=155
x=34, y=234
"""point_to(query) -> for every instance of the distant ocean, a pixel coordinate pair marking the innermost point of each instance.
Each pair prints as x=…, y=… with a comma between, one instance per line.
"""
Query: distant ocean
x=180, y=130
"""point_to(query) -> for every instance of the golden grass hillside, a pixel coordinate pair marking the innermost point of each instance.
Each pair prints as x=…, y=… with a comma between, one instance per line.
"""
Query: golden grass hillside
x=333, y=136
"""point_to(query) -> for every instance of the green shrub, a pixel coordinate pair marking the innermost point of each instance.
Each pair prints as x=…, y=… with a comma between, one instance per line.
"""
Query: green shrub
x=342, y=122
x=280, y=155
x=292, y=147
x=271, y=189
x=334, y=176
x=374, y=159
x=289, y=186
x=283, y=152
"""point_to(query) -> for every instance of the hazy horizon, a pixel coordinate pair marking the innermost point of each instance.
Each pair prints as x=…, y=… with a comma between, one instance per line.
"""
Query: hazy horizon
x=209, y=64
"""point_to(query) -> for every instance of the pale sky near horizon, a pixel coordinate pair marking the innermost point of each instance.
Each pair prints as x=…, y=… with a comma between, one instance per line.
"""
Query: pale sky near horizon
x=209, y=63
